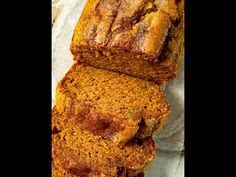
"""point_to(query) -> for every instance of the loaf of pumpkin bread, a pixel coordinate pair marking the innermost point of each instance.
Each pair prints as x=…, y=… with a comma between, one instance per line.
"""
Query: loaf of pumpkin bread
x=142, y=38
x=76, y=152
x=112, y=105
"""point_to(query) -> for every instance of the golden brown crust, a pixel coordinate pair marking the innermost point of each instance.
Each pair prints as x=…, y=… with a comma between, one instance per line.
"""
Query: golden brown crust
x=111, y=105
x=109, y=24
x=79, y=153
x=169, y=6
x=131, y=41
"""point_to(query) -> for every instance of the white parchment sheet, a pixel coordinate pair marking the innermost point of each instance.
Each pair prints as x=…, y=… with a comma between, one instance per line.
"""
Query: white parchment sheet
x=170, y=143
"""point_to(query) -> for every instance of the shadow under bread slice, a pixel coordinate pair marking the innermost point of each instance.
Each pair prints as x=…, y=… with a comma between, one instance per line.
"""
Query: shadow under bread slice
x=76, y=152
x=112, y=105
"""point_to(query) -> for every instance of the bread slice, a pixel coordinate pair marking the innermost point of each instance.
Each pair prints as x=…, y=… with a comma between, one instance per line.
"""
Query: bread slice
x=140, y=38
x=76, y=152
x=112, y=105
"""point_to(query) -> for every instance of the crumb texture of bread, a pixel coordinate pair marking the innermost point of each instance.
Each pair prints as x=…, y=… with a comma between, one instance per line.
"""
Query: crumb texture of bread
x=112, y=105
x=76, y=152
x=141, y=38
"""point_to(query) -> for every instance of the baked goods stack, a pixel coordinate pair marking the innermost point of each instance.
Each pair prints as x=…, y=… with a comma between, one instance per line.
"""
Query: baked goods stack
x=110, y=102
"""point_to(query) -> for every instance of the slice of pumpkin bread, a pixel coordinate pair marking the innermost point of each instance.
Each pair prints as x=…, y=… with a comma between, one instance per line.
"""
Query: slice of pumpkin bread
x=76, y=152
x=112, y=105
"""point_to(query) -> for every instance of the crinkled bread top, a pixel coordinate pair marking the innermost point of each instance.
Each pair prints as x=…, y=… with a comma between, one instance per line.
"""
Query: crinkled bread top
x=139, y=26
x=76, y=152
x=112, y=105
x=141, y=38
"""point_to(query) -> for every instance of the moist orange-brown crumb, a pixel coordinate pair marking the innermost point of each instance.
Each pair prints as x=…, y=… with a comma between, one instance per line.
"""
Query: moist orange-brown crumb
x=142, y=38
x=112, y=105
x=76, y=152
